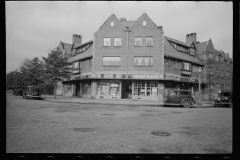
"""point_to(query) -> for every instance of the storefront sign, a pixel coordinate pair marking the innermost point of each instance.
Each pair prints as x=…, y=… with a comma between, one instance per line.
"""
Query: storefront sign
x=184, y=72
x=184, y=79
x=113, y=85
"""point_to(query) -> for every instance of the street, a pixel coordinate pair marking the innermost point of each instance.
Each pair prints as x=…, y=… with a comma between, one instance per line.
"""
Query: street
x=38, y=126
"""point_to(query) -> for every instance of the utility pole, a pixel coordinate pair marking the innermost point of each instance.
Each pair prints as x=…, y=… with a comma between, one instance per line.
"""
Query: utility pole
x=127, y=29
x=199, y=86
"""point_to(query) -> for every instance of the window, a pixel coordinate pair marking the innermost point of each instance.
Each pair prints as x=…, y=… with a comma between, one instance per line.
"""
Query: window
x=112, y=24
x=185, y=93
x=76, y=67
x=186, y=66
x=144, y=23
x=175, y=64
x=168, y=61
x=106, y=42
x=138, y=41
x=143, y=61
x=173, y=93
x=210, y=55
x=111, y=61
x=117, y=41
x=149, y=41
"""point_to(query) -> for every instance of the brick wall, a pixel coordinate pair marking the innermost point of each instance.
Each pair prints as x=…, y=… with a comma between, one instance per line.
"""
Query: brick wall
x=127, y=59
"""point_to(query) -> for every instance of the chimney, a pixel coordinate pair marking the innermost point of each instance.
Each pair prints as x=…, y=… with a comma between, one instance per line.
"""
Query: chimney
x=122, y=19
x=160, y=27
x=77, y=39
x=192, y=37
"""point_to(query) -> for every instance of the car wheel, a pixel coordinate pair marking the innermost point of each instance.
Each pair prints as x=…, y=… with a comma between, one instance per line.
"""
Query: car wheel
x=186, y=104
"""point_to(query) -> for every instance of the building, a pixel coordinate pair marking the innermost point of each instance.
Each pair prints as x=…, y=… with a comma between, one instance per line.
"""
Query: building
x=181, y=64
x=125, y=59
x=134, y=60
x=218, y=68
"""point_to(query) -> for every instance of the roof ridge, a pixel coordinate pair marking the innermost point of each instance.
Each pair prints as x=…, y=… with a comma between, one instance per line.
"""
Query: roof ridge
x=177, y=41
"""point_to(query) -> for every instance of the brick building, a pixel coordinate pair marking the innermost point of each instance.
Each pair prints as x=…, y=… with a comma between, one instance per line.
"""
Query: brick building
x=134, y=60
x=125, y=59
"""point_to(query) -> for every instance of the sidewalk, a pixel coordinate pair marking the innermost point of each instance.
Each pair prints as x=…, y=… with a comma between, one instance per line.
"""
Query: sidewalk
x=66, y=99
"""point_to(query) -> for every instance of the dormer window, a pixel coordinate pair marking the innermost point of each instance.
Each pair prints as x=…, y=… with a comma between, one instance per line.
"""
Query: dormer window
x=112, y=24
x=144, y=23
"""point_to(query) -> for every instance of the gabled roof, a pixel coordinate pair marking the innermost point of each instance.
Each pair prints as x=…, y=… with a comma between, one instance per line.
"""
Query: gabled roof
x=83, y=55
x=201, y=47
x=67, y=47
x=84, y=43
x=176, y=41
x=170, y=51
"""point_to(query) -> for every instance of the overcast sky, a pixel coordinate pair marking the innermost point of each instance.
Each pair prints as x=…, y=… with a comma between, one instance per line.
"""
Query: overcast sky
x=32, y=28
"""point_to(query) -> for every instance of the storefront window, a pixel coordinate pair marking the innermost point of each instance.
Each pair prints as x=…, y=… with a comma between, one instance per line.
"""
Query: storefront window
x=145, y=89
x=108, y=88
x=87, y=88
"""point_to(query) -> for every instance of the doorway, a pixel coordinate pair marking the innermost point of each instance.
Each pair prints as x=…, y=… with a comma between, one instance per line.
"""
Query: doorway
x=127, y=89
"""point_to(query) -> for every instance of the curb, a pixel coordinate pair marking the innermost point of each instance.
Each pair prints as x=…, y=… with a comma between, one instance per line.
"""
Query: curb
x=160, y=105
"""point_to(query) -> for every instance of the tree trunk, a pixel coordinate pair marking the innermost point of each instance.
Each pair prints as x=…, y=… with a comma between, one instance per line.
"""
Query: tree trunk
x=54, y=89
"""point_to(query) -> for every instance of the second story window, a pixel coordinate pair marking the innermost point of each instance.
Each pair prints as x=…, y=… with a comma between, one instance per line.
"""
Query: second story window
x=175, y=64
x=149, y=41
x=111, y=61
x=117, y=41
x=106, y=42
x=186, y=66
x=138, y=41
x=143, y=61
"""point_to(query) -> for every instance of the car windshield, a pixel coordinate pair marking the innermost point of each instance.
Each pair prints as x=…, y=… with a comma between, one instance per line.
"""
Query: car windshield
x=33, y=89
x=226, y=94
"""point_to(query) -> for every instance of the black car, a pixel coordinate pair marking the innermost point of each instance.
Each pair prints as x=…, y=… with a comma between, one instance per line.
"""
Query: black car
x=224, y=99
x=32, y=92
x=18, y=92
x=179, y=97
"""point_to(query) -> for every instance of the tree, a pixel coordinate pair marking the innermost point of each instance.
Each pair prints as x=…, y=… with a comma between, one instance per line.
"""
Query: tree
x=211, y=75
x=56, y=68
x=32, y=71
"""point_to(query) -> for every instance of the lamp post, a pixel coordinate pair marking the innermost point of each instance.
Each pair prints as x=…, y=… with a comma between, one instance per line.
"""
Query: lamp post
x=127, y=29
x=199, y=87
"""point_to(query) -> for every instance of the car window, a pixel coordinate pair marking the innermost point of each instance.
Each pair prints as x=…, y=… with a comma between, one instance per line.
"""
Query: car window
x=173, y=93
x=183, y=93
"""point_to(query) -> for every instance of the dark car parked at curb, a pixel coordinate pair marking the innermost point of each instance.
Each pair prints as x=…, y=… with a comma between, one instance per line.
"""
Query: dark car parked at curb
x=18, y=92
x=224, y=99
x=32, y=92
x=179, y=97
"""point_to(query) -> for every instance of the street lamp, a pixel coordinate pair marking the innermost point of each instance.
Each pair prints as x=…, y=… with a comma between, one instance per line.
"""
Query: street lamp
x=127, y=29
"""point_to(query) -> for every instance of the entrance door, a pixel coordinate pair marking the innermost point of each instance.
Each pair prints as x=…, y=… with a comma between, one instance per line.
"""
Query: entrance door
x=78, y=89
x=127, y=89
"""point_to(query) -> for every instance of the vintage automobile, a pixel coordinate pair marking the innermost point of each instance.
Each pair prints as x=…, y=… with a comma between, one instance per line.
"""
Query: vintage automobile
x=179, y=97
x=224, y=99
x=32, y=92
x=18, y=92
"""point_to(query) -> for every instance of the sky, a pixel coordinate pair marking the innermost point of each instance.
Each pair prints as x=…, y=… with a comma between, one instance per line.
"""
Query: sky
x=33, y=28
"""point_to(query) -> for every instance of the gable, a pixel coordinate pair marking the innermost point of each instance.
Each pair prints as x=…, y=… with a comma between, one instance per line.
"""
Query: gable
x=210, y=46
x=146, y=18
x=107, y=24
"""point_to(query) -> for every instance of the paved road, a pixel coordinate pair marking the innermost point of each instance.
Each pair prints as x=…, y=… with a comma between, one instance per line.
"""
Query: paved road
x=38, y=126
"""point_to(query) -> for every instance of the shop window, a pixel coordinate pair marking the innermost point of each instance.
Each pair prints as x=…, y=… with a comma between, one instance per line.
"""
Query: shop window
x=145, y=88
x=143, y=61
x=114, y=89
x=108, y=88
x=86, y=88
x=149, y=41
x=106, y=42
x=138, y=41
x=170, y=85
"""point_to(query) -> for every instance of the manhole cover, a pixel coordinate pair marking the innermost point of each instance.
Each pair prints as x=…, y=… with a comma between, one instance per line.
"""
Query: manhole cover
x=84, y=129
x=157, y=133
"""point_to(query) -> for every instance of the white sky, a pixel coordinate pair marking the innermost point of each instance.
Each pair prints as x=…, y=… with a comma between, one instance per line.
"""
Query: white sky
x=32, y=28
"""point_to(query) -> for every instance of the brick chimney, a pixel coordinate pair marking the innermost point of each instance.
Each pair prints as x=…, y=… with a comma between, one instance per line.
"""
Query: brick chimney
x=122, y=19
x=192, y=37
x=160, y=27
x=77, y=39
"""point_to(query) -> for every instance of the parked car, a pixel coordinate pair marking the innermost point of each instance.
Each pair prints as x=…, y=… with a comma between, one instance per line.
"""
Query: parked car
x=179, y=97
x=224, y=99
x=18, y=92
x=32, y=92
